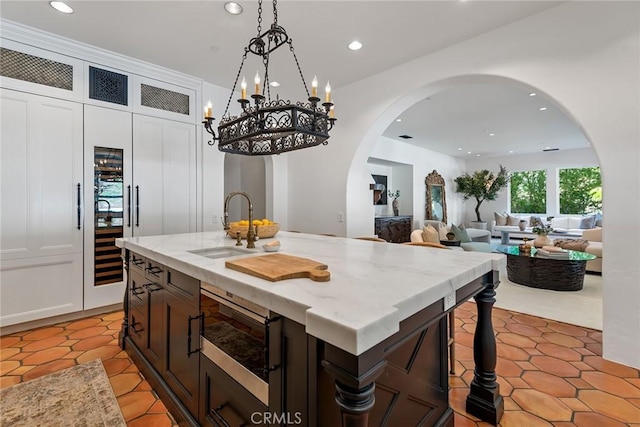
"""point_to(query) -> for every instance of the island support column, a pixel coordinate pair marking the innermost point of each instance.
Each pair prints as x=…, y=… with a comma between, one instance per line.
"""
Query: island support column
x=355, y=394
x=484, y=399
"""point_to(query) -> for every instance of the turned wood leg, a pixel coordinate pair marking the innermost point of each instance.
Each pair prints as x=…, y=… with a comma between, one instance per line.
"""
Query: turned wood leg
x=354, y=393
x=355, y=404
x=484, y=399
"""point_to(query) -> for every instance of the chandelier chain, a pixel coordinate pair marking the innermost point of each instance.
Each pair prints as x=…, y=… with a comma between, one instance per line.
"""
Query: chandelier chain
x=235, y=83
x=275, y=12
x=290, y=41
x=259, y=17
x=267, y=86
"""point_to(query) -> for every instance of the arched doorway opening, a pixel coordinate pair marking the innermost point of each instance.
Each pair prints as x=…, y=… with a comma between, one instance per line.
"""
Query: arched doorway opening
x=381, y=144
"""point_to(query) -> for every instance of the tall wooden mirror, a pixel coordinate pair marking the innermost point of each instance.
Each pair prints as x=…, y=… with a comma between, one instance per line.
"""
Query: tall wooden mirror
x=436, y=201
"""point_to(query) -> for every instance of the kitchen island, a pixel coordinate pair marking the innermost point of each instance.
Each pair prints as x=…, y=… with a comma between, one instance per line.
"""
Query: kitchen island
x=368, y=347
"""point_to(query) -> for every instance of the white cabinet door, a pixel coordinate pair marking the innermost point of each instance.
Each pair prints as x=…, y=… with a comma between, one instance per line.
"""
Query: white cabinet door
x=108, y=192
x=164, y=176
x=41, y=214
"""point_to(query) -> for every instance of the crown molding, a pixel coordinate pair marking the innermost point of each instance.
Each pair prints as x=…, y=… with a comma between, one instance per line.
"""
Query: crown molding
x=48, y=41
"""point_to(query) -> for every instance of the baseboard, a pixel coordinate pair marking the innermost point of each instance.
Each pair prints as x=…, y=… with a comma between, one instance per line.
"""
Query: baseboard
x=19, y=327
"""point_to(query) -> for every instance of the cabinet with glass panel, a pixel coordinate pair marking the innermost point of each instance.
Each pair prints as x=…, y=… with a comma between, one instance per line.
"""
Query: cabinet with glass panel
x=108, y=214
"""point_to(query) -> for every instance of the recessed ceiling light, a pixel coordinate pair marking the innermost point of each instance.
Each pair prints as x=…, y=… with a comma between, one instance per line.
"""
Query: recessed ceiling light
x=398, y=120
x=477, y=155
x=233, y=8
x=492, y=134
x=61, y=6
x=542, y=108
x=547, y=148
x=510, y=151
x=214, y=48
x=274, y=84
x=468, y=152
x=355, y=45
x=532, y=94
x=459, y=149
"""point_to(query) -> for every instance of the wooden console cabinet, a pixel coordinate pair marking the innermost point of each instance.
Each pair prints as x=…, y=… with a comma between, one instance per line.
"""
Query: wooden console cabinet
x=394, y=229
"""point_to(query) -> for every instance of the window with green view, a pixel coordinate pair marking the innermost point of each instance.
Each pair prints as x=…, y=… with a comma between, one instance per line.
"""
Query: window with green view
x=529, y=191
x=580, y=190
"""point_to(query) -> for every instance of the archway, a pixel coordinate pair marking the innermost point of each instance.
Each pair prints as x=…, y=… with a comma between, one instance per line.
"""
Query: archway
x=459, y=212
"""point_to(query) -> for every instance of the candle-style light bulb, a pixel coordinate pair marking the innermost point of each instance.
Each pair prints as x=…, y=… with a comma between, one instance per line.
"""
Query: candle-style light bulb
x=314, y=87
x=331, y=112
x=208, y=110
x=327, y=92
x=243, y=86
x=256, y=80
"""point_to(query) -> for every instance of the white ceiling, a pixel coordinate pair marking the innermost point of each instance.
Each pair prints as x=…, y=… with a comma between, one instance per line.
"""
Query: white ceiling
x=460, y=122
x=199, y=38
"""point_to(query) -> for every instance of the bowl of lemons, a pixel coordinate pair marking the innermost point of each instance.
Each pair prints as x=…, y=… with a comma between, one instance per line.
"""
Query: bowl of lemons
x=266, y=228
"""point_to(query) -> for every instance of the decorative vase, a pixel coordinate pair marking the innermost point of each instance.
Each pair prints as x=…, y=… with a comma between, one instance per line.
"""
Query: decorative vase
x=396, y=207
x=542, y=240
x=522, y=225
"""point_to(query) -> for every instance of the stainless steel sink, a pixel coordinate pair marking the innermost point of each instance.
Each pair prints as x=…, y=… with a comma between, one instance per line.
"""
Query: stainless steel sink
x=221, y=252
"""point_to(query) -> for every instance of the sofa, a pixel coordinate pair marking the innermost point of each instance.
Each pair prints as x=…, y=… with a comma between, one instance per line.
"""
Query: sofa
x=594, y=236
x=506, y=225
x=480, y=239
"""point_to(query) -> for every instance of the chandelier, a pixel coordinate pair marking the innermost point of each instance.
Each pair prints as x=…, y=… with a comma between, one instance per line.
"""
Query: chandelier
x=267, y=126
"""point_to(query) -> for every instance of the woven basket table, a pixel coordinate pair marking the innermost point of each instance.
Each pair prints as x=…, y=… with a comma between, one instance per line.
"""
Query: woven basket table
x=546, y=273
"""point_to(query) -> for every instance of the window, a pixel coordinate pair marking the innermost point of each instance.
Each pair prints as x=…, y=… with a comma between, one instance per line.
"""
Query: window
x=580, y=190
x=529, y=191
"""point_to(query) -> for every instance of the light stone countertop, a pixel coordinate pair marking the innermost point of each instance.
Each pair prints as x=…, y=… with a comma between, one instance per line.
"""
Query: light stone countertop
x=373, y=286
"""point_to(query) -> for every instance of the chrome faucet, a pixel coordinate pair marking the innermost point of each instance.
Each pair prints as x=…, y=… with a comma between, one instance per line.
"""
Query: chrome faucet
x=251, y=235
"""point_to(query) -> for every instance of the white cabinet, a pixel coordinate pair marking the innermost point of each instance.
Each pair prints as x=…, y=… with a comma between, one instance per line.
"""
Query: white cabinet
x=41, y=214
x=164, y=176
x=140, y=181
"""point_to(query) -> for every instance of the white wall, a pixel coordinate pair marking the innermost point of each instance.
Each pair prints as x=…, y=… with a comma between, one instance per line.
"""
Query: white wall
x=584, y=55
x=424, y=162
x=550, y=161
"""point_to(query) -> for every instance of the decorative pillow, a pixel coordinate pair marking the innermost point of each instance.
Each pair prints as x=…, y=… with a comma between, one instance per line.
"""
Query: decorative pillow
x=430, y=234
x=562, y=222
x=598, y=220
x=588, y=222
x=501, y=218
x=460, y=233
x=442, y=231
x=513, y=220
x=535, y=220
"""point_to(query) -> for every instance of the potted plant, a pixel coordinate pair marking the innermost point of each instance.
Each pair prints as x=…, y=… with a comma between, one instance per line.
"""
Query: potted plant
x=395, y=204
x=542, y=230
x=482, y=185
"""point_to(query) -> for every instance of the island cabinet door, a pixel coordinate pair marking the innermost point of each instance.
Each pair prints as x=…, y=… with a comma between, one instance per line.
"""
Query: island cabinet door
x=154, y=286
x=138, y=311
x=182, y=338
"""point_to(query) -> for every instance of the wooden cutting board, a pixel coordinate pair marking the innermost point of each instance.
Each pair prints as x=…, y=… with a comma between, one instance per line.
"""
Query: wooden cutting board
x=276, y=267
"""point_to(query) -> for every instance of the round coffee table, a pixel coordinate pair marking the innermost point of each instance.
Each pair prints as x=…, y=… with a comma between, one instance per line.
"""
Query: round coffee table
x=546, y=273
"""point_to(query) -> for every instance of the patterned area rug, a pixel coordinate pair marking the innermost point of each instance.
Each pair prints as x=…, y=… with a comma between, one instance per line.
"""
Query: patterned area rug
x=80, y=396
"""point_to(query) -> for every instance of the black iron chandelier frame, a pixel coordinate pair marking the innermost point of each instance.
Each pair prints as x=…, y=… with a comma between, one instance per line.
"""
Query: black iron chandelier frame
x=271, y=126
